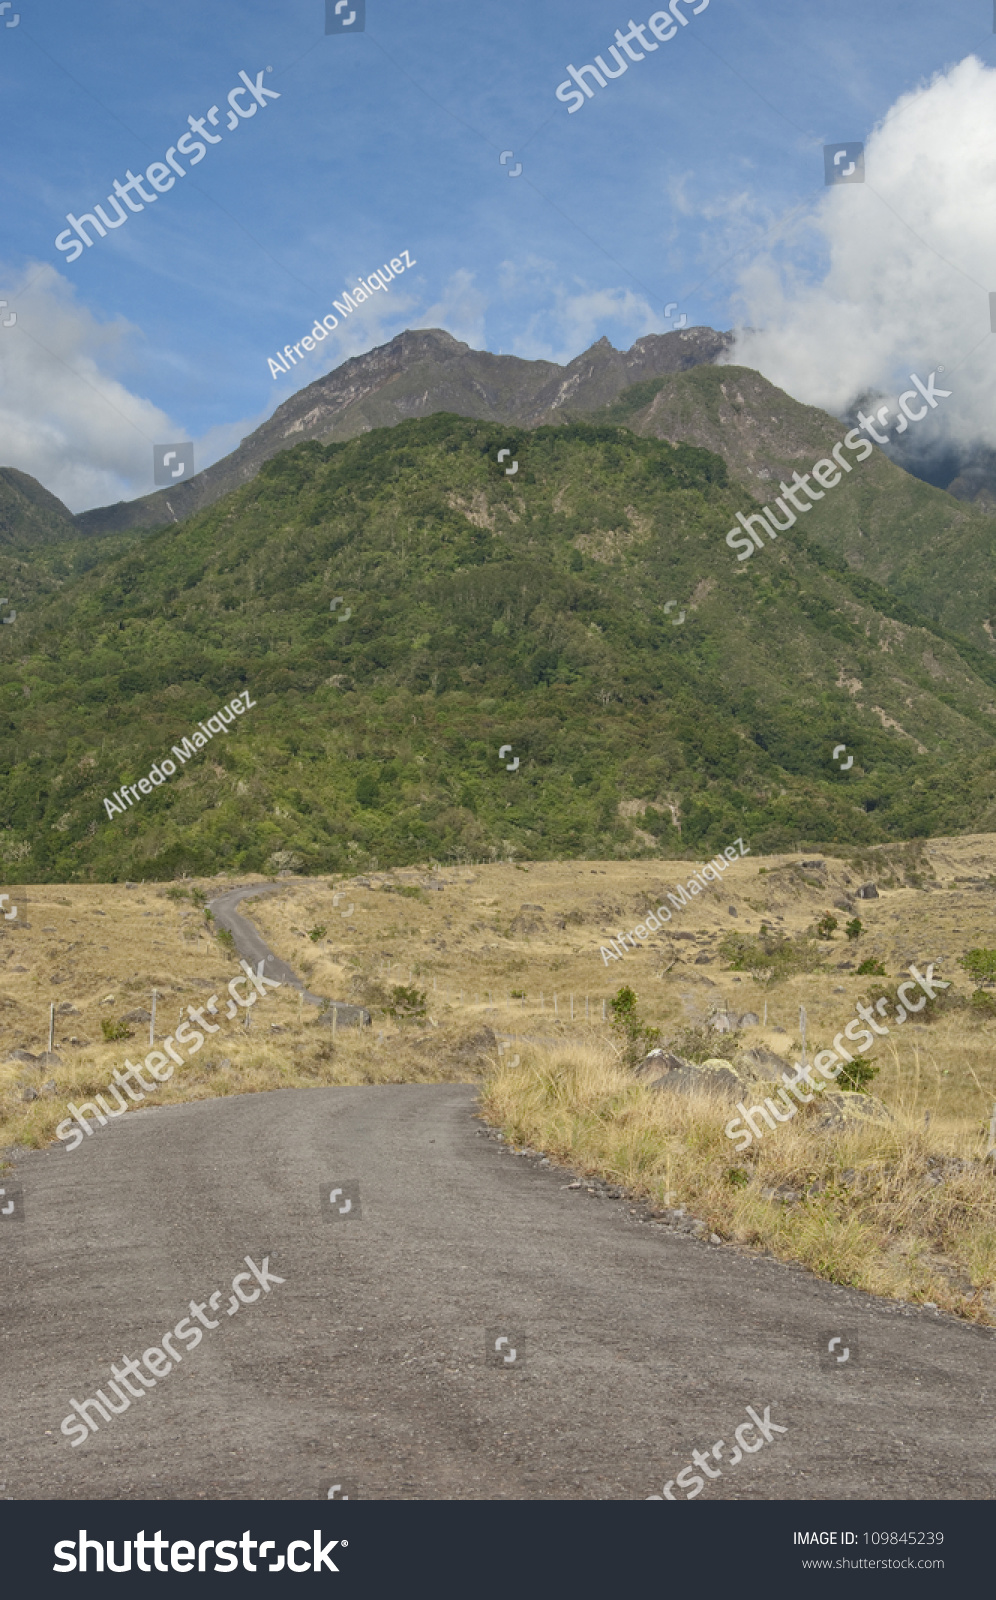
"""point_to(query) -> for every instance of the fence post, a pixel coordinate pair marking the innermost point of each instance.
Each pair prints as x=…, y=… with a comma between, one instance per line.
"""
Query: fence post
x=572, y=1008
x=152, y=1020
x=51, y=1026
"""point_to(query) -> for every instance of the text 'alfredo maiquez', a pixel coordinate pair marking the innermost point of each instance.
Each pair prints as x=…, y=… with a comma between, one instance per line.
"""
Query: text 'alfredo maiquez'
x=162, y=770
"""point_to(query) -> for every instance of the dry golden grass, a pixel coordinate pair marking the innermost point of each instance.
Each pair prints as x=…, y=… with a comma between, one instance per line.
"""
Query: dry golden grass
x=878, y=1224
x=538, y=928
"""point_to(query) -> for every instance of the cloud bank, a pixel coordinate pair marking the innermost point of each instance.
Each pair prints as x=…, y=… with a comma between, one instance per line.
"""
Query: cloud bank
x=907, y=261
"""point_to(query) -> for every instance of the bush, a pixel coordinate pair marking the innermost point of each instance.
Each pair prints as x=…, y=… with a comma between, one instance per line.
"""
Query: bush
x=980, y=965
x=769, y=956
x=226, y=940
x=176, y=892
x=826, y=925
x=853, y=929
x=317, y=933
x=407, y=1001
x=857, y=1075
x=626, y=1020
x=737, y=1177
x=702, y=1044
x=114, y=1030
x=871, y=969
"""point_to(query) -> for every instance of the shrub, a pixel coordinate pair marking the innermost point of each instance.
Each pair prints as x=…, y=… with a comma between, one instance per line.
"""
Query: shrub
x=871, y=969
x=826, y=925
x=226, y=940
x=626, y=1020
x=980, y=965
x=737, y=1177
x=853, y=928
x=770, y=955
x=984, y=1002
x=406, y=1001
x=857, y=1075
x=317, y=933
x=114, y=1030
x=702, y=1044
x=176, y=892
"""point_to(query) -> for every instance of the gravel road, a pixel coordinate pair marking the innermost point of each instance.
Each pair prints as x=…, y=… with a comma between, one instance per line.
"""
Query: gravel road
x=365, y=1366
x=249, y=943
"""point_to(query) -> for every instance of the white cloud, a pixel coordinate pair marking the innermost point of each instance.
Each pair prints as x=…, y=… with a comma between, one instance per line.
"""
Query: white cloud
x=573, y=318
x=907, y=261
x=62, y=418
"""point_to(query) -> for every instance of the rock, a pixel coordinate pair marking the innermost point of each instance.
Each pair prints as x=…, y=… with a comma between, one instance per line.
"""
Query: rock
x=842, y=1108
x=521, y=926
x=659, y=1061
x=131, y=885
x=682, y=936
x=23, y=1055
x=812, y=863
x=844, y=905
x=749, y=1019
x=867, y=891
x=761, y=1064
x=724, y=1021
x=715, y=1076
x=733, y=911
x=29, y=1094
x=703, y=960
x=532, y=908
x=48, y=1058
x=138, y=1015
x=49, y=1087
x=715, y=1239
x=66, y=1009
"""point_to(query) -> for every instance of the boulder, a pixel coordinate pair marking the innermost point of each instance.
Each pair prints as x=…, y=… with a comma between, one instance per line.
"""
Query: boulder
x=843, y=1108
x=761, y=1065
x=715, y=1076
x=867, y=891
x=659, y=1061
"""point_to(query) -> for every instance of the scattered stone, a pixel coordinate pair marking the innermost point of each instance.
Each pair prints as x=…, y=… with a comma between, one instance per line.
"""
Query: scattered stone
x=715, y=1239
x=138, y=1015
x=733, y=911
x=66, y=1009
x=29, y=1094
x=703, y=960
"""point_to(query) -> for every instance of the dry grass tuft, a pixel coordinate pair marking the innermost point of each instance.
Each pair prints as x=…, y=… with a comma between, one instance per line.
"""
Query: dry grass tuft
x=863, y=1208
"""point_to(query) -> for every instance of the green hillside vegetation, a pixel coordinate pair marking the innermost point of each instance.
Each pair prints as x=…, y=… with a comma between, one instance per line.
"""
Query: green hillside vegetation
x=484, y=610
x=29, y=515
x=933, y=552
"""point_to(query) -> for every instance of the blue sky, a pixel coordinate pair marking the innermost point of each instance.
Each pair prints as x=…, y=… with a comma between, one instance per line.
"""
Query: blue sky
x=662, y=188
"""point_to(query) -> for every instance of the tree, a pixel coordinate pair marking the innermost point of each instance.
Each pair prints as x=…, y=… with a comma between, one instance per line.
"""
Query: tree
x=826, y=925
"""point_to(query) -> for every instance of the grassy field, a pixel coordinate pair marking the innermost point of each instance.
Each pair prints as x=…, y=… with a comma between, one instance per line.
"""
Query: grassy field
x=495, y=949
